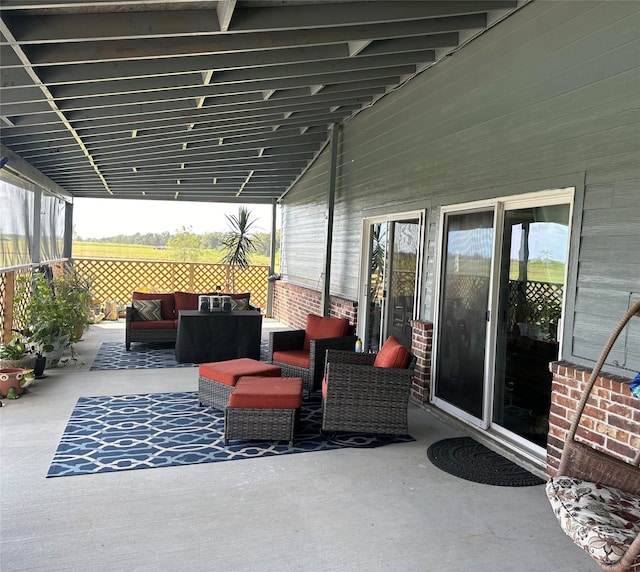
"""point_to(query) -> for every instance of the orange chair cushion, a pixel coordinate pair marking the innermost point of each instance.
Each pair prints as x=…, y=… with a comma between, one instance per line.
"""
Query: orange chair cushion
x=167, y=304
x=230, y=371
x=267, y=393
x=324, y=386
x=392, y=354
x=319, y=327
x=299, y=358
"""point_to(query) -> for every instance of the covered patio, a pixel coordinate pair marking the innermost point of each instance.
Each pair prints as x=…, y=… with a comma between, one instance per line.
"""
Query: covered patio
x=386, y=508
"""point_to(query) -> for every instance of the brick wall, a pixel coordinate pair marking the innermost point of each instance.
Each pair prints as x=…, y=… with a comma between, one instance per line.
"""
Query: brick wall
x=421, y=346
x=610, y=423
x=291, y=304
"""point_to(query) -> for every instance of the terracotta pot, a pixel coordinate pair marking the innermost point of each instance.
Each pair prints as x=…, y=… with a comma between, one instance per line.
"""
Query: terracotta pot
x=10, y=377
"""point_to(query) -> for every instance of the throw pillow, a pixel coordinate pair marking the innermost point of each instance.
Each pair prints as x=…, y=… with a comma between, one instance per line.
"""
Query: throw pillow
x=320, y=327
x=239, y=303
x=392, y=354
x=148, y=310
x=167, y=305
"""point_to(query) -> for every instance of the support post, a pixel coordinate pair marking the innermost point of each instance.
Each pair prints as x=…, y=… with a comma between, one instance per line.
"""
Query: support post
x=331, y=196
x=272, y=262
x=37, y=226
x=68, y=230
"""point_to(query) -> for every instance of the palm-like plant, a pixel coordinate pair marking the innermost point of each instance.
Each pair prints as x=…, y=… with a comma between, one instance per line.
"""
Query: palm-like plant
x=239, y=242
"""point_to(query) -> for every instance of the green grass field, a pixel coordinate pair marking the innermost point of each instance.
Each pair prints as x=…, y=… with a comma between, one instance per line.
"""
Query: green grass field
x=82, y=249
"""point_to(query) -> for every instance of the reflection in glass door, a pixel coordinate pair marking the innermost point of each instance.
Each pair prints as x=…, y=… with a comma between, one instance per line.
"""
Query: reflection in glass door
x=392, y=271
x=460, y=375
x=531, y=289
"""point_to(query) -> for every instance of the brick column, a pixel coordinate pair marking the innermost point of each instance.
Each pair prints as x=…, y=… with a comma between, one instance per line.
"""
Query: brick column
x=611, y=419
x=421, y=347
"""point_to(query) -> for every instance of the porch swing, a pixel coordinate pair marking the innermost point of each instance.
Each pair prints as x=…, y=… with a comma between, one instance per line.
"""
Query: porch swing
x=596, y=497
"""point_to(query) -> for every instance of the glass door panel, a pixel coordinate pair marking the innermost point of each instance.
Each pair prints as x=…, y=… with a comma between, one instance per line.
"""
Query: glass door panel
x=531, y=289
x=376, y=285
x=460, y=375
x=402, y=279
x=392, y=271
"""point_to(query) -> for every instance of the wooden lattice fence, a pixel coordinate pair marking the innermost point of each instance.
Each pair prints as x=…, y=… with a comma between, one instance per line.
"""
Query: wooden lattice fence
x=118, y=279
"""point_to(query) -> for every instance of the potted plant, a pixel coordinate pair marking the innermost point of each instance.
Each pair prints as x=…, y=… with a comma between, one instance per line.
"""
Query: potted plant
x=49, y=311
x=16, y=354
x=74, y=287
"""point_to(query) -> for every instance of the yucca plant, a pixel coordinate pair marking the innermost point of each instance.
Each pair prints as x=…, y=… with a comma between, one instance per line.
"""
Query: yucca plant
x=239, y=242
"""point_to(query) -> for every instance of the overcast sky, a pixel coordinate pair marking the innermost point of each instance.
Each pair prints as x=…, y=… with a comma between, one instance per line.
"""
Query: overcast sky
x=100, y=218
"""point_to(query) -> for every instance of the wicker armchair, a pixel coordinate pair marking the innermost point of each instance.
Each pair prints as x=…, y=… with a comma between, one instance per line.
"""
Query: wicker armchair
x=293, y=340
x=366, y=399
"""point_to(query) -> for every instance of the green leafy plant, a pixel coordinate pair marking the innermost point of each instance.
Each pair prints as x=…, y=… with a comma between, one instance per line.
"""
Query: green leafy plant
x=52, y=310
x=239, y=242
x=15, y=349
x=74, y=287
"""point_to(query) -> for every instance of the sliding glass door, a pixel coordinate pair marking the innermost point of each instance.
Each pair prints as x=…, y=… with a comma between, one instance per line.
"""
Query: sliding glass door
x=393, y=247
x=502, y=276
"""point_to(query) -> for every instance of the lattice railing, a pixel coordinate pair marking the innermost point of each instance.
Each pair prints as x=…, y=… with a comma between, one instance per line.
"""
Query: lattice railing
x=8, y=285
x=118, y=279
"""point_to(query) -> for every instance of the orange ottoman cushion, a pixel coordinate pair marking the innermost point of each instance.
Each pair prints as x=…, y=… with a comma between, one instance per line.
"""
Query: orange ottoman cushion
x=267, y=393
x=230, y=371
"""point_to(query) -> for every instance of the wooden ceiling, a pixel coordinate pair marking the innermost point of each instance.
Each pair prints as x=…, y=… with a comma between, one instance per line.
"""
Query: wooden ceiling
x=221, y=101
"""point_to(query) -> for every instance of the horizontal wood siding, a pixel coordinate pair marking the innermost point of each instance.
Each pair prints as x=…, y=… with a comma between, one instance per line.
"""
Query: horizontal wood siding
x=546, y=99
x=304, y=227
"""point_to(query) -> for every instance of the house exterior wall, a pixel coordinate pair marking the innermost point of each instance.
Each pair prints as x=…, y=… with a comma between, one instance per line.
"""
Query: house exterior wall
x=546, y=99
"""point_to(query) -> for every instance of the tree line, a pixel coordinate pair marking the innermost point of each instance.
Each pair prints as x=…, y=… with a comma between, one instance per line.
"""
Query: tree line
x=186, y=239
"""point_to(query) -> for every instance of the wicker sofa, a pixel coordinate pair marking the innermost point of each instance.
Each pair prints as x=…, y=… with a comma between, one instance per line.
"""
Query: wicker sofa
x=165, y=329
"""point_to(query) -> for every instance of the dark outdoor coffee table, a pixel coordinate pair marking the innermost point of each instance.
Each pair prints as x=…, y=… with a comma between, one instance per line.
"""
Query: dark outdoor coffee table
x=216, y=336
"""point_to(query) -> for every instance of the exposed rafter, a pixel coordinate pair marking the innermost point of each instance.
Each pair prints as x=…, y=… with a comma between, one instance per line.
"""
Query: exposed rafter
x=227, y=100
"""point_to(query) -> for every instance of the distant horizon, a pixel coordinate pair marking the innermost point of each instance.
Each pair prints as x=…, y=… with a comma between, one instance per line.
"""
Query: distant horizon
x=104, y=218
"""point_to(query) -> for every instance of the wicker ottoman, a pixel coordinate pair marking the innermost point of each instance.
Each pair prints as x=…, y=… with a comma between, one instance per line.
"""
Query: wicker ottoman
x=264, y=409
x=216, y=380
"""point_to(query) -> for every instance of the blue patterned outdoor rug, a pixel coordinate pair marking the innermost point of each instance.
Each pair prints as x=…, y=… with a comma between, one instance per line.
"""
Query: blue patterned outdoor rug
x=113, y=355
x=144, y=431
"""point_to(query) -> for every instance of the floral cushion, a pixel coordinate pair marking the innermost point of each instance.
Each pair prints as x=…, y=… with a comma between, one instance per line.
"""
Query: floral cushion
x=602, y=520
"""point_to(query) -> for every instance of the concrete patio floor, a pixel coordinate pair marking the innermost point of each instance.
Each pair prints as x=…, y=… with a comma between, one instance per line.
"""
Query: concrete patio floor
x=383, y=509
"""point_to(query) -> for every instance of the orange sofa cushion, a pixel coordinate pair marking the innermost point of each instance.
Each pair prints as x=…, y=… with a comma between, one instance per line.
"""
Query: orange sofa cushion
x=299, y=358
x=267, y=393
x=186, y=301
x=319, y=327
x=153, y=325
x=392, y=354
x=167, y=305
x=230, y=371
